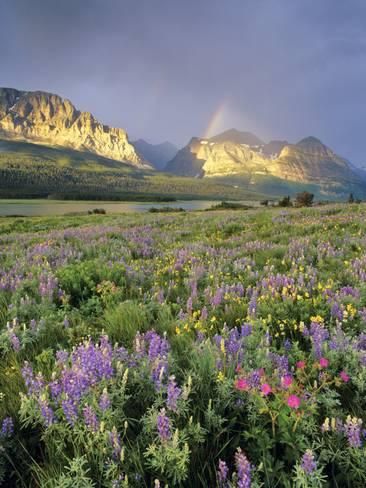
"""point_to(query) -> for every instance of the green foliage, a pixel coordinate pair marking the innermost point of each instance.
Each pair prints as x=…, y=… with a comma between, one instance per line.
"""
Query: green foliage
x=124, y=321
x=285, y=202
x=304, y=199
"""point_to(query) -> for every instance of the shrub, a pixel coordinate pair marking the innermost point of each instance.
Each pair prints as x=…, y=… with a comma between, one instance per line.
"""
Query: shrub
x=304, y=199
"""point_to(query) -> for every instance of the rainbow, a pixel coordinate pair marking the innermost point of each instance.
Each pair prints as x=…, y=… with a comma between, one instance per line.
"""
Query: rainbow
x=226, y=116
x=216, y=122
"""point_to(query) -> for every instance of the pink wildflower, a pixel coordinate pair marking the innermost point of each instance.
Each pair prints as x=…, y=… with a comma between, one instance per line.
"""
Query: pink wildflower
x=293, y=401
x=323, y=362
x=241, y=384
x=266, y=389
x=286, y=381
x=344, y=376
x=300, y=364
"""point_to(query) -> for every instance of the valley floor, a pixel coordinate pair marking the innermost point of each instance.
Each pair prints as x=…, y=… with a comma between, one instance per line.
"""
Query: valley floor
x=195, y=349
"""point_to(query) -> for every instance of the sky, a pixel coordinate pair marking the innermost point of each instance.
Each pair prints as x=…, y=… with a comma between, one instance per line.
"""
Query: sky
x=173, y=69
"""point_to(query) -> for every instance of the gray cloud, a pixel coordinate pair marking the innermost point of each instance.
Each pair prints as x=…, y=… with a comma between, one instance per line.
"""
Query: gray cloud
x=161, y=68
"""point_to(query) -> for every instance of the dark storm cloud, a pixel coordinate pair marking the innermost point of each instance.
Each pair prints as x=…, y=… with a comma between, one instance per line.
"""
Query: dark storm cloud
x=161, y=68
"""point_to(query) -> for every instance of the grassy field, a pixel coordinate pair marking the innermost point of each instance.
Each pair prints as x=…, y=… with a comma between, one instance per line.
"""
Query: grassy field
x=196, y=349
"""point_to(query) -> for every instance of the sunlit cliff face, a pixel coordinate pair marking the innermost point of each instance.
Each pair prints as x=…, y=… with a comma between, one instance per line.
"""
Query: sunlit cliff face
x=307, y=161
x=48, y=119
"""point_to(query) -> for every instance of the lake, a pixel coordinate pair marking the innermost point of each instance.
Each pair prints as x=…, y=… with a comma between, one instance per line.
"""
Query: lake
x=61, y=207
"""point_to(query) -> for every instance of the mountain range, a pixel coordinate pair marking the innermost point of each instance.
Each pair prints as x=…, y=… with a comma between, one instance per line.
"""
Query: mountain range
x=30, y=121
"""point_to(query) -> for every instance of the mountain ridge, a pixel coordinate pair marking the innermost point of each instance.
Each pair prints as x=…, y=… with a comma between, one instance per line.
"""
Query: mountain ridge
x=308, y=161
x=46, y=118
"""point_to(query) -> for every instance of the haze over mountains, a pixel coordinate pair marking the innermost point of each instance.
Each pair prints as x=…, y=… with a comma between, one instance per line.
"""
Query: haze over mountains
x=158, y=155
x=232, y=157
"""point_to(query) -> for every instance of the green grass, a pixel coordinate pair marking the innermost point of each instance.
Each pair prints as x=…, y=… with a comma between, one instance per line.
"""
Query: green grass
x=273, y=186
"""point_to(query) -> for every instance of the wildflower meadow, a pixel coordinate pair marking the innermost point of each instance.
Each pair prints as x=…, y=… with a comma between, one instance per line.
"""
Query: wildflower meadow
x=200, y=349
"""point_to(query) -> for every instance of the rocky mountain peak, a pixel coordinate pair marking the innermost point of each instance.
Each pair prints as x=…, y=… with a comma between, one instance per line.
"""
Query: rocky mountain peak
x=310, y=141
x=308, y=161
x=46, y=118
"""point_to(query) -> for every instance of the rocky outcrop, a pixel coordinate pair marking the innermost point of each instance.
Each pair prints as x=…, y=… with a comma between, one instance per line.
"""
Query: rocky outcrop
x=48, y=119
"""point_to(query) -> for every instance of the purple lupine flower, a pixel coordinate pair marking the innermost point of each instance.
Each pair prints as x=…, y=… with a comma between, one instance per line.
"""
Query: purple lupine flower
x=90, y=364
x=158, y=372
x=61, y=357
x=158, y=349
x=90, y=418
x=157, y=346
x=47, y=285
x=339, y=340
x=353, y=430
x=308, y=462
x=173, y=393
x=233, y=343
x=204, y=313
x=362, y=314
x=34, y=384
x=246, y=329
x=7, y=427
x=361, y=342
x=281, y=363
x=70, y=410
x=243, y=469
x=47, y=413
x=163, y=425
x=120, y=354
x=193, y=286
x=336, y=311
x=218, y=339
x=14, y=340
x=319, y=335
x=55, y=389
x=252, y=306
x=222, y=472
x=254, y=379
x=115, y=442
x=160, y=296
x=104, y=401
x=189, y=305
x=181, y=314
x=217, y=298
x=349, y=291
x=200, y=337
